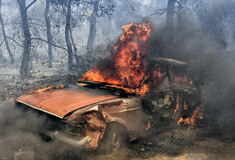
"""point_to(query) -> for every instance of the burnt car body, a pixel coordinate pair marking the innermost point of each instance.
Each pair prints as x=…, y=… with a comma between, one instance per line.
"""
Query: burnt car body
x=94, y=114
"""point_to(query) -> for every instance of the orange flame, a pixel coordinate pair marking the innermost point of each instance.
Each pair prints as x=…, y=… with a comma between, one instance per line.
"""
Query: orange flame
x=48, y=88
x=128, y=65
x=195, y=119
x=148, y=126
x=44, y=89
x=177, y=105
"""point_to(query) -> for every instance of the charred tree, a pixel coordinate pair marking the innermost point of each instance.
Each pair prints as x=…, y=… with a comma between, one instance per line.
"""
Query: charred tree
x=74, y=48
x=48, y=29
x=73, y=43
x=92, y=32
x=170, y=18
x=181, y=21
x=5, y=37
x=181, y=12
x=24, y=68
x=1, y=40
x=67, y=36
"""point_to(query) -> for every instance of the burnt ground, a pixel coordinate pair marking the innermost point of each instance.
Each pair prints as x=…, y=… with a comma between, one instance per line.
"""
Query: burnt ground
x=172, y=142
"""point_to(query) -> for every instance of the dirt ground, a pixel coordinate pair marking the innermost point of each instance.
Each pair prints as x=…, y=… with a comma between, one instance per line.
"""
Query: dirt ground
x=171, y=142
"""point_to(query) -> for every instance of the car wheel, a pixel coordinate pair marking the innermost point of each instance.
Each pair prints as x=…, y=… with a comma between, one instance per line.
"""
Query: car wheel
x=114, y=138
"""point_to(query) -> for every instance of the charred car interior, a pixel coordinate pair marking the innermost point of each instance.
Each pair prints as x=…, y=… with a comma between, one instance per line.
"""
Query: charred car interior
x=102, y=115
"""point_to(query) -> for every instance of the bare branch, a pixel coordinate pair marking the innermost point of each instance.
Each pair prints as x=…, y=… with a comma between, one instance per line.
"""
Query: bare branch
x=180, y=3
x=30, y=4
x=15, y=41
x=35, y=19
x=158, y=12
x=136, y=15
x=2, y=42
x=49, y=43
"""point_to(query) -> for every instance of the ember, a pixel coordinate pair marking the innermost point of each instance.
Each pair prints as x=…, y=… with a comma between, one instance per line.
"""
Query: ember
x=129, y=65
x=48, y=88
x=177, y=106
x=195, y=120
x=44, y=89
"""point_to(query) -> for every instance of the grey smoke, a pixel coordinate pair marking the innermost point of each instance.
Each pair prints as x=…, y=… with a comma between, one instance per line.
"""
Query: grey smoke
x=19, y=132
x=212, y=60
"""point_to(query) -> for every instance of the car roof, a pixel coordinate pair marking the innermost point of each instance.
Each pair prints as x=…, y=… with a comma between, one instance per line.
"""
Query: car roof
x=169, y=61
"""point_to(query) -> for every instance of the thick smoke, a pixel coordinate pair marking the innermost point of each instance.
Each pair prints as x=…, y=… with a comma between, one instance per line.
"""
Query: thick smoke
x=211, y=57
x=19, y=136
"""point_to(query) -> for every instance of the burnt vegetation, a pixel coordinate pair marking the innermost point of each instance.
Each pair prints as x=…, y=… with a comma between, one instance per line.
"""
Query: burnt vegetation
x=55, y=42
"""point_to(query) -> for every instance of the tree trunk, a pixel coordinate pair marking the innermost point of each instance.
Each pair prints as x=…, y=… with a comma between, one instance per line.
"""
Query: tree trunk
x=1, y=41
x=92, y=33
x=24, y=69
x=67, y=36
x=74, y=48
x=5, y=37
x=49, y=36
x=181, y=12
x=170, y=18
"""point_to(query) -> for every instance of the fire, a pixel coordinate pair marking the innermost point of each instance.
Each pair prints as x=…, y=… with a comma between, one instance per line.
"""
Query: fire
x=177, y=105
x=128, y=65
x=195, y=119
x=44, y=89
x=48, y=88
x=148, y=126
x=60, y=87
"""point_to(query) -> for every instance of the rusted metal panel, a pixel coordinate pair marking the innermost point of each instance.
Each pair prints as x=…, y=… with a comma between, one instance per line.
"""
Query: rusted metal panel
x=63, y=101
x=94, y=127
x=135, y=116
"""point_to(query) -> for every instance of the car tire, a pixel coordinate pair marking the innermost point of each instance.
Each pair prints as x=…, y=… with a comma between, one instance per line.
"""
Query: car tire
x=114, y=138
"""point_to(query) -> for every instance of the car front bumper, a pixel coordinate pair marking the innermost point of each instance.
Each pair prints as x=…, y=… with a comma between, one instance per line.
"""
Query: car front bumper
x=56, y=135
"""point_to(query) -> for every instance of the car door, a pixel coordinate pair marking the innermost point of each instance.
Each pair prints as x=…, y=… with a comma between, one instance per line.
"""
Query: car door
x=185, y=92
x=135, y=116
x=158, y=103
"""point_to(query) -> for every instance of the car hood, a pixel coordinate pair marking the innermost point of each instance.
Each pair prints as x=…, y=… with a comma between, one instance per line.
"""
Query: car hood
x=60, y=102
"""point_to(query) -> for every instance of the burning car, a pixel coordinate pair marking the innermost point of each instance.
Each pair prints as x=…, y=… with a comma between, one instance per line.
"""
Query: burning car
x=121, y=100
x=95, y=113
